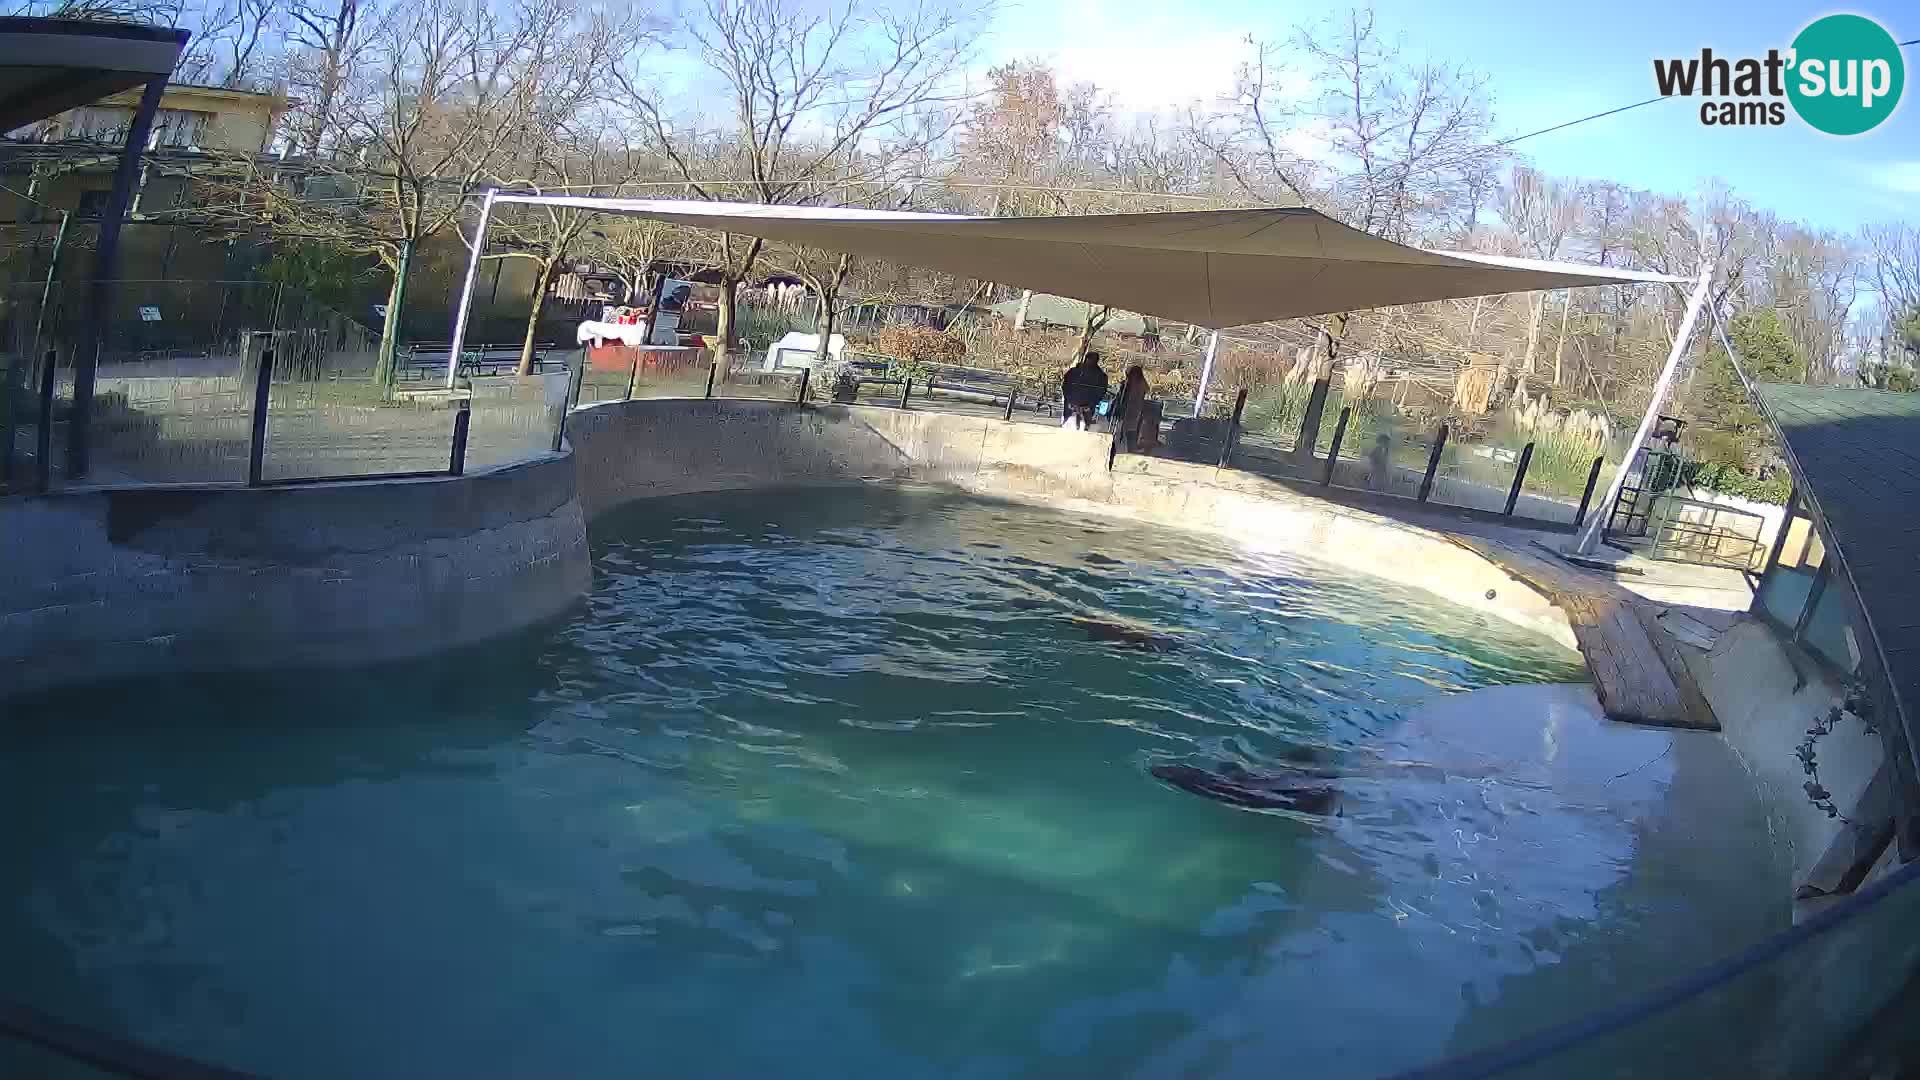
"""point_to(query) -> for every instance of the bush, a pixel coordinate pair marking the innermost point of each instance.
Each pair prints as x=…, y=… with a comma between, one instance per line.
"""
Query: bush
x=1728, y=480
x=919, y=345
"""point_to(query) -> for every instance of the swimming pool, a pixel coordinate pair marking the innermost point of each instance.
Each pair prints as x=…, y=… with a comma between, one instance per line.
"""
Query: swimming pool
x=842, y=781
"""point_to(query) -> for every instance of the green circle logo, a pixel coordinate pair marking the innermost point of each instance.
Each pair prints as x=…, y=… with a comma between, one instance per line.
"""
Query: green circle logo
x=1847, y=74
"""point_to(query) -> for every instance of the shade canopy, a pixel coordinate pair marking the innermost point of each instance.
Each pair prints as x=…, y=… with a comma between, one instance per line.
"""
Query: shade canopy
x=1212, y=268
x=48, y=66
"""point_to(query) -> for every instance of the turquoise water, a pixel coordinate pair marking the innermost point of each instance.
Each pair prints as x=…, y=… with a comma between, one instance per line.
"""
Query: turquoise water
x=832, y=783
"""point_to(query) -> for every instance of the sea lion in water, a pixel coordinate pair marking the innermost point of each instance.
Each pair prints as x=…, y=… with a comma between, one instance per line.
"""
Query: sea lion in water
x=1131, y=636
x=1236, y=785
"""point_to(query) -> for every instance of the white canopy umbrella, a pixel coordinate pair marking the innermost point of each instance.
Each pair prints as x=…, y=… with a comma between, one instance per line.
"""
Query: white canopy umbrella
x=1212, y=268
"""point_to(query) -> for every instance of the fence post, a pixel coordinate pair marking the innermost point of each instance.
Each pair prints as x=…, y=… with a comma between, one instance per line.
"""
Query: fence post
x=800, y=398
x=257, y=442
x=712, y=370
x=1433, y=463
x=906, y=387
x=633, y=375
x=1008, y=415
x=457, y=462
x=1519, y=477
x=1333, y=452
x=1233, y=426
x=1586, y=497
x=43, y=439
x=574, y=379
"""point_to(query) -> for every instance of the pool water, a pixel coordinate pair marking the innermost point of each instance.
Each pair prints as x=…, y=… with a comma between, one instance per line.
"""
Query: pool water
x=857, y=782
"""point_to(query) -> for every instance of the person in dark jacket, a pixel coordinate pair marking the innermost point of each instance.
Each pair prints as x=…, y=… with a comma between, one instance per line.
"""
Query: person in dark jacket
x=1081, y=391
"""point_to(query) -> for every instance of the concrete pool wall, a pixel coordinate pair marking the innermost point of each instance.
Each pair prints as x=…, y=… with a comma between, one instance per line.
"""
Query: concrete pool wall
x=106, y=584
x=109, y=583
x=640, y=449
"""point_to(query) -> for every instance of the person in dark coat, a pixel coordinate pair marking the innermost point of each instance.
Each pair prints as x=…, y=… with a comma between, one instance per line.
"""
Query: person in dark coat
x=1081, y=391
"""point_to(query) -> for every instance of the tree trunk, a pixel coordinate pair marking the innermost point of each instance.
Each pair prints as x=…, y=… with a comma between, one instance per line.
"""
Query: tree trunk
x=723, y=327
x=1560, y=342
x=823, y=327
x=1534, y=310
x=1020, y=314
x=1330, y=339
x=541, y=282
x=390, y=326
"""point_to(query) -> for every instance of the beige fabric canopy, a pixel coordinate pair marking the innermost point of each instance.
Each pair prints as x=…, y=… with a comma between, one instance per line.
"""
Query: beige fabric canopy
x=1212, y=268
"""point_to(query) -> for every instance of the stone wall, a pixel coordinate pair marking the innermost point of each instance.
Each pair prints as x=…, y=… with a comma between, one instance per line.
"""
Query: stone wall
x=107, y=584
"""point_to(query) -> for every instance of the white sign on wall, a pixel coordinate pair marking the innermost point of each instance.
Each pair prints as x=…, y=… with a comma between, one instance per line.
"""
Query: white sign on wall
x=149, y=314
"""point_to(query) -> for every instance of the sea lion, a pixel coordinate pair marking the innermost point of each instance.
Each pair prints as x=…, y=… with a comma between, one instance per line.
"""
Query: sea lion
x=1127, y=635
x=1236, y=785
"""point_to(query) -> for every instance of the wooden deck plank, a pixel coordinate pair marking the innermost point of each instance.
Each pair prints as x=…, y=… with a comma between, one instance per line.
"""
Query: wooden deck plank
x=1637, y=671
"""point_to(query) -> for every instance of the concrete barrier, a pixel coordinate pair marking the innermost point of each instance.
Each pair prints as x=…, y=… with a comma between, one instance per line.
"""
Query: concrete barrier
x=142, y=580
x=638, y=449
x=106, y=584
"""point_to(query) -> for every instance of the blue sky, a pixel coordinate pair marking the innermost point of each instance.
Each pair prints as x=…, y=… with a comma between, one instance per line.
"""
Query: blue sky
x=1546, y=64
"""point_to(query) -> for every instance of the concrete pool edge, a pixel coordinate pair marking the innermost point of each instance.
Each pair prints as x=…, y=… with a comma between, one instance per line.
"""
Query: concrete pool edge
x=108, y=583
x=112, y=583
x=633, y=450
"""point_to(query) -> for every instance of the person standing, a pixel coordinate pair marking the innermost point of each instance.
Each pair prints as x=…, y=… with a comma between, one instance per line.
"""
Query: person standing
x=1131, y=407
x=1081, y=391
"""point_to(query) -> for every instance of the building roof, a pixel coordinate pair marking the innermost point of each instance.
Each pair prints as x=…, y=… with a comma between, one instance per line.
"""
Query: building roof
x=48, y=66
x=1855, y=454
x=1212, y=268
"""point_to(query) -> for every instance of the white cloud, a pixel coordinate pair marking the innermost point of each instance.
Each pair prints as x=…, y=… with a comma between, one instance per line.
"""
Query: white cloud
x=1900, y=177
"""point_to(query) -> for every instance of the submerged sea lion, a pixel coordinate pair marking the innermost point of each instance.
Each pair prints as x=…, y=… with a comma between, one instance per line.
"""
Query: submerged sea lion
x=1235, y=785
x=1132, y=636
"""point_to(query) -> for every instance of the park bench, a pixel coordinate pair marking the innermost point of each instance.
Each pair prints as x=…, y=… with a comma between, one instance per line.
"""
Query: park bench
x=427, y=361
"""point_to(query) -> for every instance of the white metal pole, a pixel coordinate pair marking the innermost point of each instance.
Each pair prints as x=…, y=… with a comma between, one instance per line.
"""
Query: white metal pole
x=466, y=290
x=1206, y=374
x=1597, y=515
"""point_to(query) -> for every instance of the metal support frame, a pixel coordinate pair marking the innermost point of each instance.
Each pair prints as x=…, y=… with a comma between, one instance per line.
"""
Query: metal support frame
x=800, y=396
x=1206, y=376
x=46, y=289
x=1586, y=496
x=575, y=377
x=713, y=369
x=1008, y=415
x=1433, y=463
x=43, y=438
x=1519, y=478
x=106, y=263
x=1589, y=537
x=1333, y=451
x=457, y=458
x=906, y=389
x=1233, y=427
x=257, y=440
x=466, y=289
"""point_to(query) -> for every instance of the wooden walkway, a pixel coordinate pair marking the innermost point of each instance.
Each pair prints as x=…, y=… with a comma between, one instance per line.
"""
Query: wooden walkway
x=1637, y=669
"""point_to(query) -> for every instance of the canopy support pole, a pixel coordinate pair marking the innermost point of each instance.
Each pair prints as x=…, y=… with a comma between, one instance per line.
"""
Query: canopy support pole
x=1206, y=375
x=466, y=289
x=1589, y=538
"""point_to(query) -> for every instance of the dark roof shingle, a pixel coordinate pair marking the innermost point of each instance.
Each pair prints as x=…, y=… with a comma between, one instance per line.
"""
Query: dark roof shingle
x=1857, y=452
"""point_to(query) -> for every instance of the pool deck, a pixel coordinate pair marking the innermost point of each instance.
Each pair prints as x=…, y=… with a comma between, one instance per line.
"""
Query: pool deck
x=1632, y=623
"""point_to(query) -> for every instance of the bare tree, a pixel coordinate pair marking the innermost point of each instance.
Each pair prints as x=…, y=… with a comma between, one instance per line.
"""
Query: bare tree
x=566, y=136
x=821, y=100
x=418, y=122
